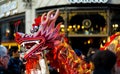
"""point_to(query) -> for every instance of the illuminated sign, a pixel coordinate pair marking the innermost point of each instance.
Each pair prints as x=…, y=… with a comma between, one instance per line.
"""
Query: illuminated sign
x=88, y=1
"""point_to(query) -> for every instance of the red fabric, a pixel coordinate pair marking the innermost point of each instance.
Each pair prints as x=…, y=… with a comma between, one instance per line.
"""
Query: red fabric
x=108, y=43
x=31, y=64
x=118, y=63
x=37, y=21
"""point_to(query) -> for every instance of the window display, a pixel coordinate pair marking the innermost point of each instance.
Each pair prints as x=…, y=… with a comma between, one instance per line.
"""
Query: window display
x=9, y=28
x=87, y=22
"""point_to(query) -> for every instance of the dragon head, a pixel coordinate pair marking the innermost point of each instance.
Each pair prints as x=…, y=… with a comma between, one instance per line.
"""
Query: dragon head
x=45, y=35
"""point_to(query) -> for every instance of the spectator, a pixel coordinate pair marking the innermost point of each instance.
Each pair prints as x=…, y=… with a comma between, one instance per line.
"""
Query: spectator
x=90, y=53
x=4, y=58
x=104, y=62
x=117, y=65
x=15, y=65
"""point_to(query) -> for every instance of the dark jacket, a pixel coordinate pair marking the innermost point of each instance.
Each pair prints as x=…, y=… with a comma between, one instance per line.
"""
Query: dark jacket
x=104, y=62
x=101, y=71
x=15, y=66
x=3, y=71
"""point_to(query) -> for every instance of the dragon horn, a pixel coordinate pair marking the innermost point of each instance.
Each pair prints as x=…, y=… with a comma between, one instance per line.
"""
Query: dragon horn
x=43, y=20
x=56, y=14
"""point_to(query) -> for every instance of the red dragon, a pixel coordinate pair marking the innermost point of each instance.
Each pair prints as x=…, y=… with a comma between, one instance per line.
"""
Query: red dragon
x=47, y=36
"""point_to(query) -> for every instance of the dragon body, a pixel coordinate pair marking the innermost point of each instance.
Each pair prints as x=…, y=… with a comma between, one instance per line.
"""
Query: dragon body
x=46, y=36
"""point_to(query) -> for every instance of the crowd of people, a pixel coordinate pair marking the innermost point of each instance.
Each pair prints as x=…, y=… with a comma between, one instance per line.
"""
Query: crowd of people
x=104, y=62
x=10, y=62
x=4, y=59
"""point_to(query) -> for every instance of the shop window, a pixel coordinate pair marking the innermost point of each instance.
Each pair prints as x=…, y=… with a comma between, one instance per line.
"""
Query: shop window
x=115, y=22
x=61, y=20
x=87, y=22
x=5, y=31
x=9, y=28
